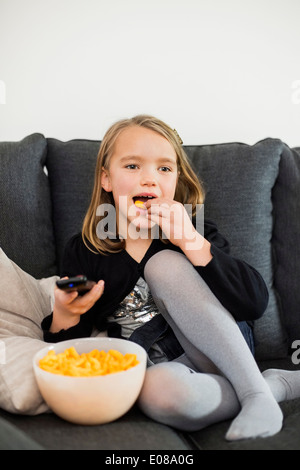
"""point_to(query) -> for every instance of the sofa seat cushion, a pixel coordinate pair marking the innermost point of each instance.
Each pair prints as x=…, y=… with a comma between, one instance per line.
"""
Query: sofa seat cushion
x=26, y=231
x=133, y=431
x=12, y=438
x=212, y=438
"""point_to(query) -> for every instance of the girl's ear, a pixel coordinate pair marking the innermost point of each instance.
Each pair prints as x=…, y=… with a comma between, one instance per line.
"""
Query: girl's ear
x=105, y=180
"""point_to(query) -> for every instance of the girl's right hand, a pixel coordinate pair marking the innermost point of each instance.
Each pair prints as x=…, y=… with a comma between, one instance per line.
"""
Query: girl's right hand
x=68, y=306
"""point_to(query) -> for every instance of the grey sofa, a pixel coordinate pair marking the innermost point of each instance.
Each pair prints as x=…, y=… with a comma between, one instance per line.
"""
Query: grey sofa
x=252, y=193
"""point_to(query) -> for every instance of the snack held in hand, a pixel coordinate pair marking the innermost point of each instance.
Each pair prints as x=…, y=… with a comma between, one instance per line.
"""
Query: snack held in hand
x=140, y=204
x=89, y=364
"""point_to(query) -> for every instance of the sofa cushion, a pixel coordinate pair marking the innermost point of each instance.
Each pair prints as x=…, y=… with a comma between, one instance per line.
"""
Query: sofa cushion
x=133, y=431
x=71, y=167
x=26, y=232
x=212, y=438
x=12, y=438
x=286, y=239
x=21, y=335
x=239, y=179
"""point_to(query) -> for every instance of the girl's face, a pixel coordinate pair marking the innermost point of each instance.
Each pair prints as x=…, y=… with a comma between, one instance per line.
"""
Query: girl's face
x=143, y=165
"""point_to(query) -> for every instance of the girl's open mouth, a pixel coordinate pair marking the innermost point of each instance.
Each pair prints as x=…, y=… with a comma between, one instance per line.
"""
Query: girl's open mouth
x=140, y=199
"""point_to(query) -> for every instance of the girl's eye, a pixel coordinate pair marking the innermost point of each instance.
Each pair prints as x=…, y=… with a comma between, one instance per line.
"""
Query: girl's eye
x=132, y=166
x=165, y=168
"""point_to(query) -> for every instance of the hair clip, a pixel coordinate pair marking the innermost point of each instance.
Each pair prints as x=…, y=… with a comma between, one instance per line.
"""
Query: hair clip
x=178, y=136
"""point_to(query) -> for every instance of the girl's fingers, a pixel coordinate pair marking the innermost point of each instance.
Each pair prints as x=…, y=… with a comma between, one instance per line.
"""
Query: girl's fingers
x=65, y=297
x=88, y=299
x=155, y=218
x=163, y=222
x=172, y=219
x=161, y=210
x=79, y=304
x=173, y=214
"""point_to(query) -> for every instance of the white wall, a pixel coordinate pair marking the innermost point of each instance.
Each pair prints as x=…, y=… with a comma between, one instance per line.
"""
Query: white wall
x=217, y=70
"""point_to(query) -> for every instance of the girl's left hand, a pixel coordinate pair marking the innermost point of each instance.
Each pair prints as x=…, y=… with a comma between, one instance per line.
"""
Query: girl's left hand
x=173, y=219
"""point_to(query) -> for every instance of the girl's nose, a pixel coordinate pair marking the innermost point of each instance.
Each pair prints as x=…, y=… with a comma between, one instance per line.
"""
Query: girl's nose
x=148, y=179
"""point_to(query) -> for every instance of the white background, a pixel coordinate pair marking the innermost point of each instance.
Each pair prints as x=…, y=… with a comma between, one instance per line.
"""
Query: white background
x=216, y=70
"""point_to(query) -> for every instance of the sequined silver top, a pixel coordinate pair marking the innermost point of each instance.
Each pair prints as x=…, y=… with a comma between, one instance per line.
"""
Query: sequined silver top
x=137, y=308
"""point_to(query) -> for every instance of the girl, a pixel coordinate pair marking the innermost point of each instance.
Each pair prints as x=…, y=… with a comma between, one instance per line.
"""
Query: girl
x=179, y=294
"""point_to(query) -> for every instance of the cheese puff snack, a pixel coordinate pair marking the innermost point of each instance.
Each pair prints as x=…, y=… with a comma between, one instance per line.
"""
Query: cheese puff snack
x=90, y=364
x=140, y=204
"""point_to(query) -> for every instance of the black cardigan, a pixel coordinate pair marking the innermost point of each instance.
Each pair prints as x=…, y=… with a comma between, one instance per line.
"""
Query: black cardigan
x=237, y=285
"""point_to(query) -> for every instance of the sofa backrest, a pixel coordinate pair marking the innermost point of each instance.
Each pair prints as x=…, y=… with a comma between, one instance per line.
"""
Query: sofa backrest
x=71, y=167
x=26, y=229
x=252, y=193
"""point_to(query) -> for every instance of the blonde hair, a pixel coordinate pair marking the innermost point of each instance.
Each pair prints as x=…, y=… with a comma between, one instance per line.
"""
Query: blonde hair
x=189, y=189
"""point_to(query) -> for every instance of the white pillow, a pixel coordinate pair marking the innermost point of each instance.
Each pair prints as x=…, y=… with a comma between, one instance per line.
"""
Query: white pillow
x=24, y=302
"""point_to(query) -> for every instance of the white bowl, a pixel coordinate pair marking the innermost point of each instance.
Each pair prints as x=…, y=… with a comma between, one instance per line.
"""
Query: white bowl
x=92, y=400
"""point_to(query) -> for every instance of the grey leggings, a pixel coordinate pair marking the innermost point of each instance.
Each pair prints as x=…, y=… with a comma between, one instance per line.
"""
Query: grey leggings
x=217, y=372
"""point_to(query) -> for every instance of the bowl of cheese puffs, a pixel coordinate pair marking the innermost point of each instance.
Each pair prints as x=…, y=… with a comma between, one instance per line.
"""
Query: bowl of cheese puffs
x=90, y=380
